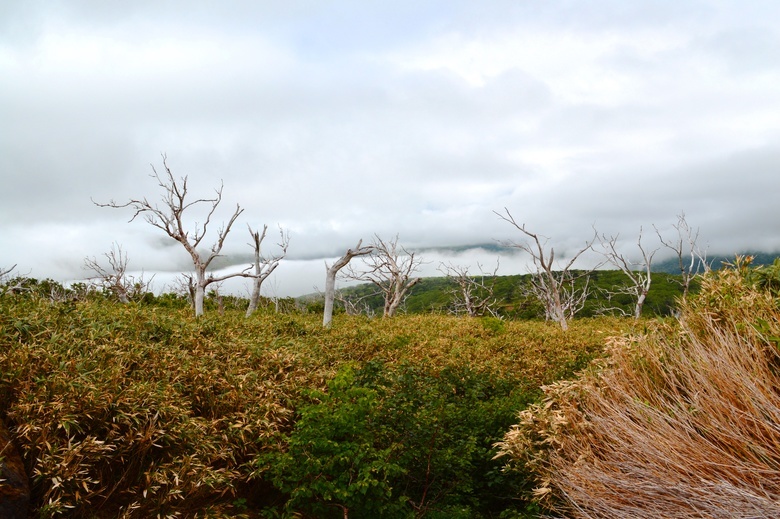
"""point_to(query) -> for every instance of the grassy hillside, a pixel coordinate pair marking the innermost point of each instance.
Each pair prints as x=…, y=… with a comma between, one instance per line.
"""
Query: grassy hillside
x=143, y=411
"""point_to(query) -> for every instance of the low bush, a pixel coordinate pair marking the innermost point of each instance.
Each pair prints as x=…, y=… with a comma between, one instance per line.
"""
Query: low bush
x=401, y=442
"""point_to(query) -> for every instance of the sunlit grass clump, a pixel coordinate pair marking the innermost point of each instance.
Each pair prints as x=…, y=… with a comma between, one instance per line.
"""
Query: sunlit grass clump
x=683, y=421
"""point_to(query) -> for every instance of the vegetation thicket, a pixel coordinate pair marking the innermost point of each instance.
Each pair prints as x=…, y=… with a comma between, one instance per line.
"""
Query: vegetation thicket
x=143, y=410
x=679, y=421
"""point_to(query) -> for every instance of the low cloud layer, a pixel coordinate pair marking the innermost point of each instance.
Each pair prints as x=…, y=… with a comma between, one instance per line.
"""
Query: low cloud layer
x=338, y=120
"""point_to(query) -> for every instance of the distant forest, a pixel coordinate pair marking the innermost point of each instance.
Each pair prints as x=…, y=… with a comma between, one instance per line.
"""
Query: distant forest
x=435, y=294
x=672, y=266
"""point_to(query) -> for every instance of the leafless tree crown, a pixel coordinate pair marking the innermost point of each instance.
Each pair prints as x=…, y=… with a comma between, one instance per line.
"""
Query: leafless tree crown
x=554, y=285
x=472, y=295
x=263, y=265
x=114, y=276
x=390, y=267
x=169, y=217
x=690, y=257
x=6, y=283
x=638, y=273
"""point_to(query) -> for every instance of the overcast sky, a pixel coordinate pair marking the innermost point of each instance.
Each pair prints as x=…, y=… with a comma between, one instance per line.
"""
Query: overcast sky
x=341, y=119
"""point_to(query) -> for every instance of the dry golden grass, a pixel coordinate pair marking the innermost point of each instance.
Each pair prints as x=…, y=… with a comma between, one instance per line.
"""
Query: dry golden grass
x=683, y=421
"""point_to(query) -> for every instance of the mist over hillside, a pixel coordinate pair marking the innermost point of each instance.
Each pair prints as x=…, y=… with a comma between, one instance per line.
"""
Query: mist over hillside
x=672, y=265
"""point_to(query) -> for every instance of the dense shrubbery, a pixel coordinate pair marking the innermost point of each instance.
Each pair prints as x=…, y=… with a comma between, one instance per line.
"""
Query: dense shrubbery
x=681, y=421
x=142, y=410
x=402, y=441
x=120, y=410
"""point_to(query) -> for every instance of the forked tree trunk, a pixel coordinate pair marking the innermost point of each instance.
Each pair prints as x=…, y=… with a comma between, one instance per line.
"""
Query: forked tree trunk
x=400, y=289
x=330, y=279
x=263, y=267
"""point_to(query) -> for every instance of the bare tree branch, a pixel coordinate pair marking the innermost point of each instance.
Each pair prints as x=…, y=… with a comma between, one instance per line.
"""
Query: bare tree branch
x=555, y=288
x=472, y=295
x=5, y=281
x=264, y=266
x=5, y=272
x=639, y=274
x=169, y=217
x=356, y=305
x=114, y=278
x=390, y=268
x=691, y=259
x=330, y=278
x=184, y=285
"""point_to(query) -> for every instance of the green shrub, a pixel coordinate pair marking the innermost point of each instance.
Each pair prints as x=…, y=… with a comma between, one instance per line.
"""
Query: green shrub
x=400, y=442
x=334, y=464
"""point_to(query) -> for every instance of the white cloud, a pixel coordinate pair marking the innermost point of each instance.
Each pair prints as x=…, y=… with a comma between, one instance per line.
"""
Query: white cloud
x=342, y=119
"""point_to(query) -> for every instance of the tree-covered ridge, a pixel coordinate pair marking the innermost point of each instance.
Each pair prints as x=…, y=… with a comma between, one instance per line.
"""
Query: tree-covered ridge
x=435, y=294
x=671, y=265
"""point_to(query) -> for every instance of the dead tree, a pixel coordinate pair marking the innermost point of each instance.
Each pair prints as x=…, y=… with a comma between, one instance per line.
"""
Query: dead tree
x=263, y=266
x=5, y=281
x=690, y=258
x=356, y=305
x=114, y=277
x=4, y=272
x=639, y=273
x=390, y=268
x=184, y=286
x=557, y=289
x=330, y=278
x=573, y=291
x=218, y=298
x=472, y=295
x=170, y=219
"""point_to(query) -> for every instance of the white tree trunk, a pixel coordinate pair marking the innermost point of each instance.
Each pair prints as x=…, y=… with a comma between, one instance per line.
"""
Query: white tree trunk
x=200, y=291
x=330, y=279
x=264, y=266
x=330, y=295
x=121, y=294
x=640, y=302
x=254, y=300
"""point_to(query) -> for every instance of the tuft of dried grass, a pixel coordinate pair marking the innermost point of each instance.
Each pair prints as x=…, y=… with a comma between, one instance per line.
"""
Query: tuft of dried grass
x=683, y=421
